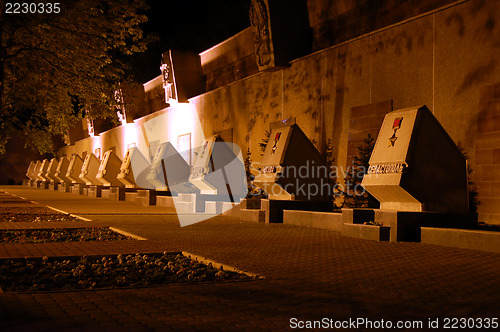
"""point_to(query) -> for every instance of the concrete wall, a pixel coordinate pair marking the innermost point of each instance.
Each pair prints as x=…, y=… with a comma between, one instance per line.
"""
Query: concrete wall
x=229, y=61
x=334, y=22
x=487, y=155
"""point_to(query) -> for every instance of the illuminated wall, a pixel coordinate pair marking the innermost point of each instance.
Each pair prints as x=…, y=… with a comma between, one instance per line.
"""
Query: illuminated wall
x=173, y=124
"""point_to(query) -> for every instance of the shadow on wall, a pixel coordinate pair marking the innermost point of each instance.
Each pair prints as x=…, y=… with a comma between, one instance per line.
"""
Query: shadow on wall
x=477, y=75
x=14, y=163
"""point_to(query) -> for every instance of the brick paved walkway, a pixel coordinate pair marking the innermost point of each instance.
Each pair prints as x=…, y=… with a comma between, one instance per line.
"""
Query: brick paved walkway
x=310, y=274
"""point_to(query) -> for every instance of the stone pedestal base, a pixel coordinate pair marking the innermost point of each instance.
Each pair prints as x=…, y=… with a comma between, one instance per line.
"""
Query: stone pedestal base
x=367, y=232
x=54, y=186
x=146, y=197
x=214, y=207
x=65, y=187
x=118, y=193
x=406, y=226
x=42, y=184
x=274, y=208
x=165, y=201
x=95, y=191
x=77, y=188
x=324, y=220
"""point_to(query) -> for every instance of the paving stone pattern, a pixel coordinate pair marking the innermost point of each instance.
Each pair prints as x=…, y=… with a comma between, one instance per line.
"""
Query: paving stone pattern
x=309, y=274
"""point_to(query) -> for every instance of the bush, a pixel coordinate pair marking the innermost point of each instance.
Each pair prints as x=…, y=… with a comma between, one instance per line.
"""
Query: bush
x=354, y=196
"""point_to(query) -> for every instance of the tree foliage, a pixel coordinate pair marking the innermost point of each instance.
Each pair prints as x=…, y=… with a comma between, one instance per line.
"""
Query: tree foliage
x=472, y=189
x=55, y=66
x=354, y=195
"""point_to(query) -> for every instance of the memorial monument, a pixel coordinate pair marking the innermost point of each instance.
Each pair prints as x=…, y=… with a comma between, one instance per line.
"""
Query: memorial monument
x=42, y=170
x=109, y=169
x=217, y=177
x=50, y=174
x=210, y=172
x=60, y=174
x=418, y=174
x=168, y=168
x=293, y=173
x=30, y=173
x=89, y=170
x=42, y=181
x=74, y=169
x=134, y=169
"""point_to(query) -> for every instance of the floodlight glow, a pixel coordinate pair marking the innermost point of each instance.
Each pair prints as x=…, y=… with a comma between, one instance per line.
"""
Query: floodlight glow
x=183, y=119
x=129, y=136
x=96, y=146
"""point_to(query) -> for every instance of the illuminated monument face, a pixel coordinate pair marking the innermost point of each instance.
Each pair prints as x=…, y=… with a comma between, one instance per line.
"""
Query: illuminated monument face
x=36, y=170
x=416, y=166
x=74, y=169
x=89, y=170
x=51, y=170
x=218, y=170
x=259, y=18
x=168, y=168
x=62, y=169
x=30, y=173
x=218, y=174
x=291, y=167
x=134, y=169
x=43, y=170
x=109, y=169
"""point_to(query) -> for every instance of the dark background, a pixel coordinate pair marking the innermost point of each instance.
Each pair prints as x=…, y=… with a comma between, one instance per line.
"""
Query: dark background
x=189, y=25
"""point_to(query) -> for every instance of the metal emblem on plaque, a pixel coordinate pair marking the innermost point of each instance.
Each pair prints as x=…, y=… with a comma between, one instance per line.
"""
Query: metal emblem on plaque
x=395, y=126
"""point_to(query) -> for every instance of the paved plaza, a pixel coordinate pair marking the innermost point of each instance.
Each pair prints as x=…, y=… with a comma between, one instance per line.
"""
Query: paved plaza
x=310, y=274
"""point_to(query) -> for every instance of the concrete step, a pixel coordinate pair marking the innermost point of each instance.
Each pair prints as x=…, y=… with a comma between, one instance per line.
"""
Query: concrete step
x=213, y=207
x=221, y=208
x=462, y=238
x=253, y=215
x=105, y=193
x=326, y=220
x=191, y=198
x=231, y=209
x=131, y=197
x=184, y=207
x=166, y=201
x=366, y=232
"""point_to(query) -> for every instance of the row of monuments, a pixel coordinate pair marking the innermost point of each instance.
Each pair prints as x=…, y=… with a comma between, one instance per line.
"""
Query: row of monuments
x=217, y=176
x=416, y=172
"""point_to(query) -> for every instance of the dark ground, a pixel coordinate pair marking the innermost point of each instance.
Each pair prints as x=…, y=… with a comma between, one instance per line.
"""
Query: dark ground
x=309, y=274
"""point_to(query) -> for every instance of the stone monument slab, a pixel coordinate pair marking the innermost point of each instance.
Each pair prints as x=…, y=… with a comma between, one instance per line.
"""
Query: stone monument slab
x=109, y=169
x=218, y=170
x=62, y=169
x=416, y=166
x=89, y=170
x=51, y=171
x=292, y=168
x=74, y=169
x=134, y=169
x=168, y=168
x=42, y=170
x=31, y=170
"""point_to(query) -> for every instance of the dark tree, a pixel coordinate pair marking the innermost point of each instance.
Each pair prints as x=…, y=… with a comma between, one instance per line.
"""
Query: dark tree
x=55, y=66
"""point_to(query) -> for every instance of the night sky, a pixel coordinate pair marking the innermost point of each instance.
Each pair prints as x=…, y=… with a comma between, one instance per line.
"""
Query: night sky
x=194, y=25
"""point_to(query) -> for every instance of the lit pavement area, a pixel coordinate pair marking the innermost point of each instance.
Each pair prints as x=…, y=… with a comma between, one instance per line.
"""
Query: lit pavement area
x=309, y=274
